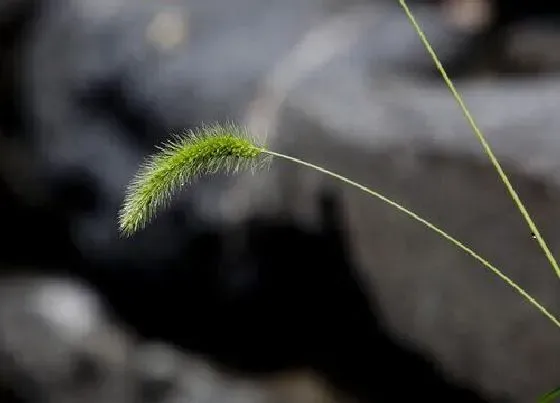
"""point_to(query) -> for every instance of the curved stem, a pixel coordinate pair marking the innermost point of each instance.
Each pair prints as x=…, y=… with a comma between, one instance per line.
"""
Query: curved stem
x=431, y=226
x=482, y=139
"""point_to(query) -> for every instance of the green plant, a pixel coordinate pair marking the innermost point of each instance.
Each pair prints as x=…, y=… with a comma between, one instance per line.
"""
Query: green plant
x=208, y=150
x=551, y=396
x=230, y=149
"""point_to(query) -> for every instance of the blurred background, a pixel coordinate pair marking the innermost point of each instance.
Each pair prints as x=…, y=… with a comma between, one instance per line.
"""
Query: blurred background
x=283, y=286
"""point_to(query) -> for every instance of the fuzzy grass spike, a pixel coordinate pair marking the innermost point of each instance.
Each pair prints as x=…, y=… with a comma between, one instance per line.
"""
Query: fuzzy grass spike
x=185, y=158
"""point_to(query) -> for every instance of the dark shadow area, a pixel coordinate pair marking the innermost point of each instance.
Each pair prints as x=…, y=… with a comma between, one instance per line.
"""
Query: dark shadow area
x=270, y=296
x=16, y=18
x=27, y=227
x=107, y=100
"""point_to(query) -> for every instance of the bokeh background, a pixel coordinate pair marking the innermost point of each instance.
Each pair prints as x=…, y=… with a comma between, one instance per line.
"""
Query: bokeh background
x=284, y=286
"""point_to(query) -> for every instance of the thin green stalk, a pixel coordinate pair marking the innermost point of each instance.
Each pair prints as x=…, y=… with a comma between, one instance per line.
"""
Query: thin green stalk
x=428, y=224
x=482, y=139
x=229, y=149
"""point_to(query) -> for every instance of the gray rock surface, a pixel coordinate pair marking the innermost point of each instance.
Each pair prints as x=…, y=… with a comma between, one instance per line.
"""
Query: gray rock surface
x=59, y=343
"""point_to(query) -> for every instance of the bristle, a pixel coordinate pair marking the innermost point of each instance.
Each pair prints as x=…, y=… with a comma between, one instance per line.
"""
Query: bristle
x=182, y=159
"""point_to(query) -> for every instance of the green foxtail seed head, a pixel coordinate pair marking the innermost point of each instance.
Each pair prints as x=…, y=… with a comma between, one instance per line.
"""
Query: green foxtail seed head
x=207, y=150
